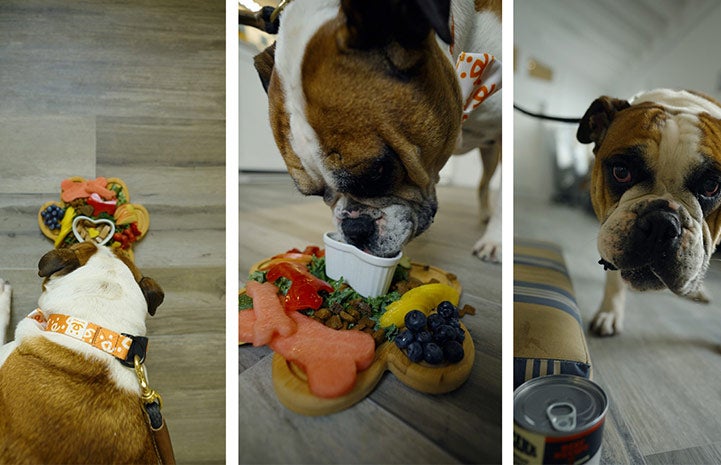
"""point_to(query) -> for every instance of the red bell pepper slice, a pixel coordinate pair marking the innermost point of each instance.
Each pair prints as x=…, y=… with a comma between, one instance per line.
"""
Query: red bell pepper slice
x=303, y=292
x=99, y=205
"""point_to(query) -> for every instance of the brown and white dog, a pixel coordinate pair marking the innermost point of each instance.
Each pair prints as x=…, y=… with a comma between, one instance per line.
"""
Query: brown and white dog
x=366, y=109
x=63, y=399
x=655, y=188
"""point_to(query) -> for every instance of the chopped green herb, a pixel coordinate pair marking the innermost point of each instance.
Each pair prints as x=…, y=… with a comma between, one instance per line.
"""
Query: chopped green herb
x=283, y=284
x=317, y=268
x=245, y=302
x=379, y=303
x=257, y=276
x=341, y=296
x=391, y=332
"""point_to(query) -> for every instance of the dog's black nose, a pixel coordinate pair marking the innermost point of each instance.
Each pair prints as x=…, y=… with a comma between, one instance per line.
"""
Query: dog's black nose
x=358, y=230
x=659, y=230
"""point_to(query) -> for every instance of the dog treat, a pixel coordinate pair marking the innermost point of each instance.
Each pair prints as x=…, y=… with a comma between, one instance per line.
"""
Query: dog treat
x=97, y=210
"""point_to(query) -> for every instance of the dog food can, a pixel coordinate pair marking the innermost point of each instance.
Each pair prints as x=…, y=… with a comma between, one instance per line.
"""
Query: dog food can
x=558, y=419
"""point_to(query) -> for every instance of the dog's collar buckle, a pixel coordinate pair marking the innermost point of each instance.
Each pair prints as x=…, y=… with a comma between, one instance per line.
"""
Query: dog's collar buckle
x=138, y=348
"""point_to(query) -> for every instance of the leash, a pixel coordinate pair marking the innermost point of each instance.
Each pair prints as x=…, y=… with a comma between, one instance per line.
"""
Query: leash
x=128, y=350
x=152, y=404
x=547, y=117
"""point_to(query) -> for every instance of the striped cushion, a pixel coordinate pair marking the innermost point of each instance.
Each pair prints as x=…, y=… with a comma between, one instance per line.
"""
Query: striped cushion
x=548, y=335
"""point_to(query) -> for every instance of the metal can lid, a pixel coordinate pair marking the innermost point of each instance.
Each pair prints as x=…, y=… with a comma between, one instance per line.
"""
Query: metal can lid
x=559, y=405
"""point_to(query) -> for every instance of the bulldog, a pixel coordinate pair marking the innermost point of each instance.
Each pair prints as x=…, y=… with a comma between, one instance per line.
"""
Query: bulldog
x=65, y=396
x=366, y=108
x=655, y=189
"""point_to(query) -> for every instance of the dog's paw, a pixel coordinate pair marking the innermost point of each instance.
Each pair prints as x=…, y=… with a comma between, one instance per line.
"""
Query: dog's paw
x=488, y=250
x=606, y=324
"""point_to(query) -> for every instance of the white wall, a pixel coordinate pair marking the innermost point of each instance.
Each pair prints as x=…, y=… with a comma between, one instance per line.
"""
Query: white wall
x=566, y=95
x=693, y=62
x=257, y=150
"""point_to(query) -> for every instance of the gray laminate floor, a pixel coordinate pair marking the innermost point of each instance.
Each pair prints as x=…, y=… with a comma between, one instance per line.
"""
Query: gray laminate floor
x=395, y=424
x=663, y=373
x=134, y=90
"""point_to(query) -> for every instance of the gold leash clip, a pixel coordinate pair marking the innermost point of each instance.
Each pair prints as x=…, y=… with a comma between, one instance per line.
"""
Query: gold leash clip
x=278, y=9
x=148, y=395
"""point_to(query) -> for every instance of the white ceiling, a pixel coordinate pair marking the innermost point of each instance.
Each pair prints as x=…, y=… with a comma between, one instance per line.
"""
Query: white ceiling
x=602, y=39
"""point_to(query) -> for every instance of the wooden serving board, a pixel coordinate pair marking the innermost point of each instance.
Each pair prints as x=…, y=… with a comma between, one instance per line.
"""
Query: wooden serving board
x=292, y=389
x=291, y=386
x=143, y=222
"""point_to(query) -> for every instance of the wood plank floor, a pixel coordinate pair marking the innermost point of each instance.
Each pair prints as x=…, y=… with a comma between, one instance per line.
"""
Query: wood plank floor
x=135, y=90
x=663, y=373
x=395, y=424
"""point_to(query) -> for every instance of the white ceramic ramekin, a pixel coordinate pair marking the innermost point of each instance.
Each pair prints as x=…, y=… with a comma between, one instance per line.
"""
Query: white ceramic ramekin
x=368, y=275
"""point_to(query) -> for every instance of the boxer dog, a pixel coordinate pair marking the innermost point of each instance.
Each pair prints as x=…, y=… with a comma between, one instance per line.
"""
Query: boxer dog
x=64, y=399
x=366, y=108
x=655, y=189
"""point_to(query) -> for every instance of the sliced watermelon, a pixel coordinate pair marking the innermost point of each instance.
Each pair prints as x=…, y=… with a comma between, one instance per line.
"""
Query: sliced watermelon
x=270, y=316
x=330, y=358
x=246, y=323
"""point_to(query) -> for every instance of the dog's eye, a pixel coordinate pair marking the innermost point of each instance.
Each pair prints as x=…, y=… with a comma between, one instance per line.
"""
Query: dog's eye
x=621, y=173
x=709, y=187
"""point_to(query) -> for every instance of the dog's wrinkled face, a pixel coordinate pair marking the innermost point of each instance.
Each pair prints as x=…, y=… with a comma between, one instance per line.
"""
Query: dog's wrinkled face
x=656, y=186
x=87, y=271
x=366, y=110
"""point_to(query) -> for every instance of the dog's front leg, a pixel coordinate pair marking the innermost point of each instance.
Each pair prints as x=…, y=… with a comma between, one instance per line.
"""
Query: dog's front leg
x=488, y=247
x=609, y=318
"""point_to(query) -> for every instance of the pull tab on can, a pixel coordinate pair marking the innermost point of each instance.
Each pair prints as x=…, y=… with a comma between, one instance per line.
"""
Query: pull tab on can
x=562, y=416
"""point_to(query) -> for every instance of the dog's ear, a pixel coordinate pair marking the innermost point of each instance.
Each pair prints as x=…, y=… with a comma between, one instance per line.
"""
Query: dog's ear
x=374, y=23
x=153, y=293
x=598, y=118
x=264, y=63
x=63, y=261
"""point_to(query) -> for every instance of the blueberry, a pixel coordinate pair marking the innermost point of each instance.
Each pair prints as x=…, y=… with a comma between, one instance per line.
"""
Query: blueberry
x=460, y=335
x=434, y=321
x=447, y=310
x=432, y=353
x=404, y=339
x=415, y=320
x=424, y=337
x=444, y=333
x=415, y=351
x=453, y=351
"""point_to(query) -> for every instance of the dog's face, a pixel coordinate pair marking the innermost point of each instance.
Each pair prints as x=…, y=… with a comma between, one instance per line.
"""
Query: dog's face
x=656, y=186
x=97, y=274
x=365, y=109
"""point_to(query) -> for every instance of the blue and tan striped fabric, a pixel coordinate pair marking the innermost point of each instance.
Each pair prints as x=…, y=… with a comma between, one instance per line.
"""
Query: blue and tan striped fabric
x=548, y=336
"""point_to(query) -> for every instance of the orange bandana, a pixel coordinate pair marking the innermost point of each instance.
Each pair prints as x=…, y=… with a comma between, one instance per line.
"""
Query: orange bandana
x=110, y=342
x=479, y=75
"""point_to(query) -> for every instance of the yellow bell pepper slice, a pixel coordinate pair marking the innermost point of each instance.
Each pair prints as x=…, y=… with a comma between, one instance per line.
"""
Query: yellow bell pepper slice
x=424, y=298
x=66, y=225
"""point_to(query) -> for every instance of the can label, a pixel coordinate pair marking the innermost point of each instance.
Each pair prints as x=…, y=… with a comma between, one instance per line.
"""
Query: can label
x=579, y=448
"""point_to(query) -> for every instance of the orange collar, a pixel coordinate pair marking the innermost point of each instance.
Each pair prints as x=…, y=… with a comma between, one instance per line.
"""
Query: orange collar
x=122, y=346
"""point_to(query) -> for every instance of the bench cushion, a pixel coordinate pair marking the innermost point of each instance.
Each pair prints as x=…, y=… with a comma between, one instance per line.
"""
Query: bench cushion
x=548, y=335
